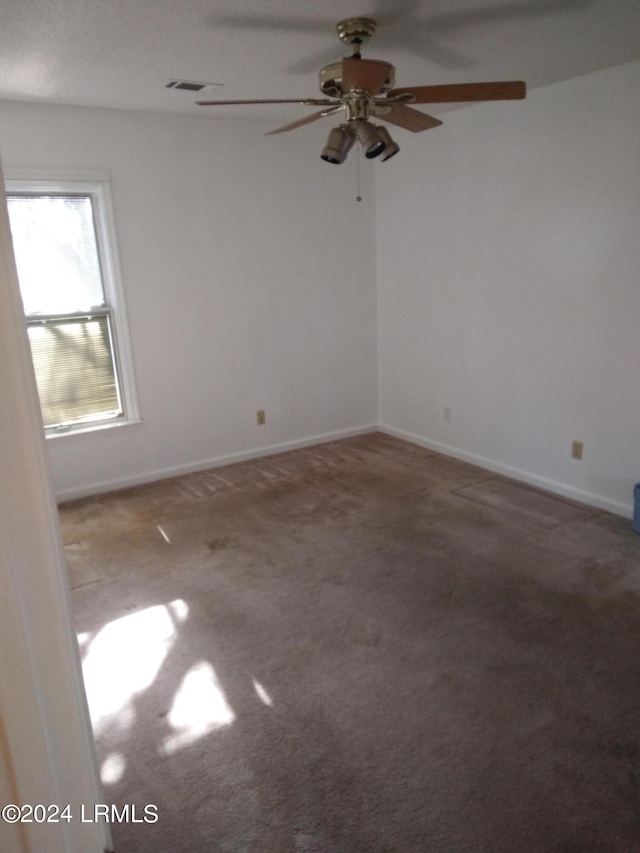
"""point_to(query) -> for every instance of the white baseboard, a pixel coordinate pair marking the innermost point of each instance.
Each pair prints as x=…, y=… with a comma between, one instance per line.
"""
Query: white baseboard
x=204, y=464
x=566, y=491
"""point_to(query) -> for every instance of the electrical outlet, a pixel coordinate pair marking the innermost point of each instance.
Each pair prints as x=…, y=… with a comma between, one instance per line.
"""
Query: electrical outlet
x=446, y=414
x=261, y=418
x=576, y=450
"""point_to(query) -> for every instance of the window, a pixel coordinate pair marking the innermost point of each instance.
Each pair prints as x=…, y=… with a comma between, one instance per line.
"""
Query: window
x=64, y=243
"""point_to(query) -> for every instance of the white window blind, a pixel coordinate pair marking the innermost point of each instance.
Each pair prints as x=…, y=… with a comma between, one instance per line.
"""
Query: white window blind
x=75, y=371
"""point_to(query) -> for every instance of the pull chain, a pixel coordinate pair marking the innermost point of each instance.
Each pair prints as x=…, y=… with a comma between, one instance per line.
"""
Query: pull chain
x=358, y=196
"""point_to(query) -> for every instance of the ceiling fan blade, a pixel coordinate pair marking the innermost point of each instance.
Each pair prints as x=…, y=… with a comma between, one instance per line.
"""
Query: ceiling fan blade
x=319, y=102
x=407, y=117
x=305, y=120
x=450, y=93
x=367, y=74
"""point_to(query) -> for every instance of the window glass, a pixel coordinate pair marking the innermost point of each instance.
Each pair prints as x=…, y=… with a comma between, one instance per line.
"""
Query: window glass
x=56, y=254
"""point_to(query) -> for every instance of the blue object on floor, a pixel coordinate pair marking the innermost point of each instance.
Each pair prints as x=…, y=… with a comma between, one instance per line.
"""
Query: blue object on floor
x=636, y=508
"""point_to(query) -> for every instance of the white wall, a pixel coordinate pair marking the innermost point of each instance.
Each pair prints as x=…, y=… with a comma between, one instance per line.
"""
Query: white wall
x=509, y=286
x=249, y=280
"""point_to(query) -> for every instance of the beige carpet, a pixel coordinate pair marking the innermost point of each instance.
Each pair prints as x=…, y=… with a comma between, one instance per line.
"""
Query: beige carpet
x=362, y=647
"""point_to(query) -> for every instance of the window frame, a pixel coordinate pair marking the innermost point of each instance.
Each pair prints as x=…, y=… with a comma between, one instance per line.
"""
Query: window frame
x=99, y=190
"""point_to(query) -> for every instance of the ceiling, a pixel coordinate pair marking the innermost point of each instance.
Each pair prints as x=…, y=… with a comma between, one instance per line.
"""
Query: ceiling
x=121, y=53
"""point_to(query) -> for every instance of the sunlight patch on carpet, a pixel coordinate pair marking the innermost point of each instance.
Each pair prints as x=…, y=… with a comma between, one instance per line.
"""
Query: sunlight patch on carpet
x=179, y=609
x=123, y=659
x=199, y=707
x=164, y=534
x=83, y=638
x=112, y=769
x=262, y=693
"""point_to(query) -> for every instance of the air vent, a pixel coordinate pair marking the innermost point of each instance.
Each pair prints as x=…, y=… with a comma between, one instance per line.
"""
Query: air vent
x=190, y=85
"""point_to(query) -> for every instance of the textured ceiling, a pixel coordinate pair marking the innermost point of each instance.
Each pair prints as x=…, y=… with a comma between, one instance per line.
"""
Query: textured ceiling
x=121, y=53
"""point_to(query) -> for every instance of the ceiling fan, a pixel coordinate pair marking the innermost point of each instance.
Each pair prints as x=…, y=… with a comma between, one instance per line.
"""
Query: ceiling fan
x=364, y=90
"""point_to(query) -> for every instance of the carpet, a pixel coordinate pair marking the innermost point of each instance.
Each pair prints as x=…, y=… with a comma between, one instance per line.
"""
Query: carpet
x=360, y=647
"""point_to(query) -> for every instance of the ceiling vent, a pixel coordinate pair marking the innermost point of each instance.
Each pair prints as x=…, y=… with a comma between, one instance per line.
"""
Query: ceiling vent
x=190, y=85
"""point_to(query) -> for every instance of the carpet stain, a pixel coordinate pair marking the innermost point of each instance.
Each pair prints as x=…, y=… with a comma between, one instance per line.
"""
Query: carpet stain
x=220, y=543
x=599, y=578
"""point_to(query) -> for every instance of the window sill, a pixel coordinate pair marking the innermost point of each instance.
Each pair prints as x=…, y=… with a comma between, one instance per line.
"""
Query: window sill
x=91, y=429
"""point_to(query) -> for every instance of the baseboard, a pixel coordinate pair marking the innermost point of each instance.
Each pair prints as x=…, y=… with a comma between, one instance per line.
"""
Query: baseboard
x=204, y=464
x=562, y=489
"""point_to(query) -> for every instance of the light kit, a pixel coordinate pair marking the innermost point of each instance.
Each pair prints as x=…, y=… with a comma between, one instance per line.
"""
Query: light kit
x=376, y=141
x=339, y=144
x=370, y=140
x=390, y=147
